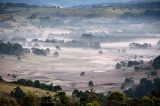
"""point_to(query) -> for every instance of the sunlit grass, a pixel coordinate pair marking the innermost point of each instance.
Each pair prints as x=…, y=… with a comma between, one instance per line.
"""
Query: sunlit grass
x=7, y=88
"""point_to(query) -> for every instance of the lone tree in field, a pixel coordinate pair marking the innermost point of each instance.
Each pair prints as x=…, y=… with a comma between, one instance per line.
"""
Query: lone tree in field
x=58, y=48
x=82, y=74
x=18, y=93
x=91, y=85
x=56, y=54
x=118, y=66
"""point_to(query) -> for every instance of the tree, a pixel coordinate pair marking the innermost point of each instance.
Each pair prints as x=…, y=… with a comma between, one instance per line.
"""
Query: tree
x=37, y=84
x=91, y=85
x=30, y=83
x=58, y=48
x=82, y=74
x=1, y=79
x=22, y=82
x=57, y=88
x=118, y=66
x=156, y=63
x=18, y=93
x=63, y=99
x=56, y=54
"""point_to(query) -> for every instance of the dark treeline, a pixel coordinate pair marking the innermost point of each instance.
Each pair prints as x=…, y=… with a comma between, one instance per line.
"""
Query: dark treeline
x=10, y=48
x=37, y=84
x=128, y=64
x=78, y=98
x=17, y=49
x=12, y=5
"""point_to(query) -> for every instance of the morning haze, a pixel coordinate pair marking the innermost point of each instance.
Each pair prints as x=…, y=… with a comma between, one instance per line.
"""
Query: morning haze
x=79, y=53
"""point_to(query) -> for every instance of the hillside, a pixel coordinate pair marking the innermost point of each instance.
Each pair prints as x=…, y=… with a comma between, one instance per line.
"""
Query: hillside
x=6, y=88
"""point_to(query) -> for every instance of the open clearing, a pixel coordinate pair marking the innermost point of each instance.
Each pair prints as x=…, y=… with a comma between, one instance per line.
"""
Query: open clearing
x=65, y=70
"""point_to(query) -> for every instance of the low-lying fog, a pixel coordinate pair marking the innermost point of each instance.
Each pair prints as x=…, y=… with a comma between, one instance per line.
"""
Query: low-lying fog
x=113, y=34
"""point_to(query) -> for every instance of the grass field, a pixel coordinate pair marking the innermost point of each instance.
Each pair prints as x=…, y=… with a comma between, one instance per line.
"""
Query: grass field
x=6, y=88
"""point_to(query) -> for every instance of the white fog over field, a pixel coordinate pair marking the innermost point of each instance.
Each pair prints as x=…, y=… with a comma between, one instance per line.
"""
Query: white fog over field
x=90, y=40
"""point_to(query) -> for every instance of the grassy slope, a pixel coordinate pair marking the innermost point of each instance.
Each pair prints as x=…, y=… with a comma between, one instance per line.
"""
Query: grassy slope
x=6, y=88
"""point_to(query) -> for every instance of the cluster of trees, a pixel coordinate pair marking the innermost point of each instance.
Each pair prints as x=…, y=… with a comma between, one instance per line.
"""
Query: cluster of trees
x=87, y=98
x=38, y=51
x=87, y=36
x=31, y=99
x=49, y=41
x=133, y=63
x=115, y=99
x=144, y=88
x=17, y=49
x=10, y=48
x=37, y=84
x=129, y=64
x=138, y=45
x=80, y=98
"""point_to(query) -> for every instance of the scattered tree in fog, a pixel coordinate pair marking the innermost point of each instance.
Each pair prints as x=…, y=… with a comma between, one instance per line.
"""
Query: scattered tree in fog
x=82, y=74
x=118, y=66
x=100, y=52
x=58, y=48
x=56, y=54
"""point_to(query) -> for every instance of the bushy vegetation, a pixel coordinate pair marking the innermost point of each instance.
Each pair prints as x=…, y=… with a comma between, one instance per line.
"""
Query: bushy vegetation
x=135, y=63
x=37, y=84
x=7, y=101
x=156, y=63
x=144, y=88
x=38, y=51
x=10, y=48
x=87, y=98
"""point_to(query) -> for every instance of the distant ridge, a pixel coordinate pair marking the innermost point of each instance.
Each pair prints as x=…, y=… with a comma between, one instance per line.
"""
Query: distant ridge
x=31, y=2
x=74, y=3
x=122, y=5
